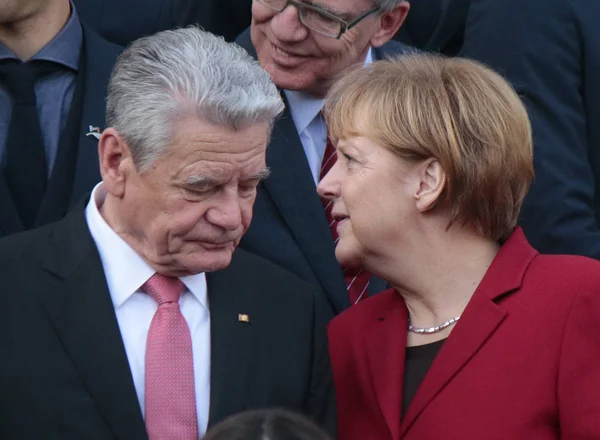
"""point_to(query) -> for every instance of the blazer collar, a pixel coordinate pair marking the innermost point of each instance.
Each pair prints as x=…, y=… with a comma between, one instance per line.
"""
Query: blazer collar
x=453, y=19
x=234, y=318
x=385, y=344
x=386, y=340
x=78, y=304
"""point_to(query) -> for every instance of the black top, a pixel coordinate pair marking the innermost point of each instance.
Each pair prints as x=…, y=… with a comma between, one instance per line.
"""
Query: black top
x=418, y=360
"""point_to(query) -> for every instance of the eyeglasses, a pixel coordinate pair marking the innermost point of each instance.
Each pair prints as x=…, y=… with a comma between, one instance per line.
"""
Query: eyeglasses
x=316, y=19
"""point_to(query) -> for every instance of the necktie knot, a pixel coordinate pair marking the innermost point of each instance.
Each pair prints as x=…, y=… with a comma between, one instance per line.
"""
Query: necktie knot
x=164, y=289
x=19, y=78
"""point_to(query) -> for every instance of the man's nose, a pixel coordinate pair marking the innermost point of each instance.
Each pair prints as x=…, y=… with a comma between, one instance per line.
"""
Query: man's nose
x=287, y=27
x=227, y=211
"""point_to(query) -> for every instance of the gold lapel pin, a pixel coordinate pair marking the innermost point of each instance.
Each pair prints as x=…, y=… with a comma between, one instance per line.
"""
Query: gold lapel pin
x=242, y=317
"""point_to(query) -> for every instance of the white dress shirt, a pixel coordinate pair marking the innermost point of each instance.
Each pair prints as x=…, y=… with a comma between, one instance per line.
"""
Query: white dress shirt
x=125, y=273
x=306, y=114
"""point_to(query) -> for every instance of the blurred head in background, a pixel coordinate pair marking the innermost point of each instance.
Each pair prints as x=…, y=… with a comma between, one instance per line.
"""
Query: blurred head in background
x=266, y=425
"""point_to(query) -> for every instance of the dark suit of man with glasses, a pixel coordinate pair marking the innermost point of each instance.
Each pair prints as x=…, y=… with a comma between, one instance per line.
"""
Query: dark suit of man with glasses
x=305, y=47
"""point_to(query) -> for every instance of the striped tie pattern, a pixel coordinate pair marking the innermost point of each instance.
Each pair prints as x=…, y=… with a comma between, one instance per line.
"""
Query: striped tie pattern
x=357, y=280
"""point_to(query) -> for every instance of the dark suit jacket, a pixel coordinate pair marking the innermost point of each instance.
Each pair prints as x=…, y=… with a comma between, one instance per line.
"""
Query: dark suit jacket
x=521, y=364
x=551, y=54
x=227, y=18
x=99, y=56
x=124, y=21
x=64, y=372
x=428, y=30
x=289, y=225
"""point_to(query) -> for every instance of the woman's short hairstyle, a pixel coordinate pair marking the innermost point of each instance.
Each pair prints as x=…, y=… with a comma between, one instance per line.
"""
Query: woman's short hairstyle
x=274, y=424
x=454, y=110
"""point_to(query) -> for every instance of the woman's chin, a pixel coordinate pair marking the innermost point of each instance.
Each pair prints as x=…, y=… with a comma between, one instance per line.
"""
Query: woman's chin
x=347, y=256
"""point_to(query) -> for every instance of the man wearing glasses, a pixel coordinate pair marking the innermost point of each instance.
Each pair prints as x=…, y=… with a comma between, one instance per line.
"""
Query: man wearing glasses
x=305, y=45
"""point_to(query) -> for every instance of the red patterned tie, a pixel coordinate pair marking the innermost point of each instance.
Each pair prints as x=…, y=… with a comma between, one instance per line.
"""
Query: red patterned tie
x=357, y=280
x=170, y=393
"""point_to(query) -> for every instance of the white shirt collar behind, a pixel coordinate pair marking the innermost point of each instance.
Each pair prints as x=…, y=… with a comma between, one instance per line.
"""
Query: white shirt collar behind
x=124, y=269
x=304, y=107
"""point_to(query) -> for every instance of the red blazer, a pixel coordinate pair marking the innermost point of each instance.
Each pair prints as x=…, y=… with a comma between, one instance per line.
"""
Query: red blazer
x=523, y=362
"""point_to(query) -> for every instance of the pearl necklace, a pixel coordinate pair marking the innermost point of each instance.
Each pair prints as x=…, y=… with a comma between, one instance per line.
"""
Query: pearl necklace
x=430, y=330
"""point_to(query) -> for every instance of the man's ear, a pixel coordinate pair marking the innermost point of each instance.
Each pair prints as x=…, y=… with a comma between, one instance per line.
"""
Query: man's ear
x=432, y=181
x=115, y=161
x=390, y=22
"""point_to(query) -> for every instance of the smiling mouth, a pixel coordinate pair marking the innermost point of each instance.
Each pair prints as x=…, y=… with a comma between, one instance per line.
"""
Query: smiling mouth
x=286, y=54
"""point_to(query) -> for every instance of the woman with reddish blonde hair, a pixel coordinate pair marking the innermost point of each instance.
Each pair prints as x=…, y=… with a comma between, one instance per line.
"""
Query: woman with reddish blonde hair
x=481, y=337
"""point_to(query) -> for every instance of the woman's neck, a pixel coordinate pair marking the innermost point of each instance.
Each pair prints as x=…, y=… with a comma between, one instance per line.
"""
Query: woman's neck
x=439, y=276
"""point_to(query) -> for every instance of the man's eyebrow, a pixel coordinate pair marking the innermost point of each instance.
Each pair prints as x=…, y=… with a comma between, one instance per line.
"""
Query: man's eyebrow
x=200, y=181
x=261, y=175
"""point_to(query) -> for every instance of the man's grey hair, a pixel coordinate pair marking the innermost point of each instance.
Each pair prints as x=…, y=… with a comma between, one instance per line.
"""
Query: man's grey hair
x=185, y=72
x=388, y=5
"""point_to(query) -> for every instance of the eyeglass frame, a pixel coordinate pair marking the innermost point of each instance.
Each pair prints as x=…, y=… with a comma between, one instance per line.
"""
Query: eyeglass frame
x=344, y=25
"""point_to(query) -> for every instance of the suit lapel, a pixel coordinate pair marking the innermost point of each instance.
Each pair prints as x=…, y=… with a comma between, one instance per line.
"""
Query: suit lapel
x=453, y=18
x=293, y=191
x=232, y=339
x=386, y=352
x=100, y=58
x=91, y=10
x=482, y=317
x=479, y=321
x=78, y=304
x=10, y=222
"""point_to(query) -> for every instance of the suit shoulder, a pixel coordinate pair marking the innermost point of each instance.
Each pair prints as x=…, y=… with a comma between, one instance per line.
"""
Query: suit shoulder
x=578, y=270
x=245, y=41
x=20, y=247
x=256, y=269
x=99, y=44
x=560, y=281
x=393, y=48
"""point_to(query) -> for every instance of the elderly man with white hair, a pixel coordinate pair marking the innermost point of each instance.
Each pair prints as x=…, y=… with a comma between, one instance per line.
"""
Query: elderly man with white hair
x=135, y=317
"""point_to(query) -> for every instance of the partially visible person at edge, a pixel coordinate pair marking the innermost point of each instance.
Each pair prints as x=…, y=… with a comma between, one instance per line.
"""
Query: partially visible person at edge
x=305, y=47
x=480, y=336
x=267, y=424
x=54, y=72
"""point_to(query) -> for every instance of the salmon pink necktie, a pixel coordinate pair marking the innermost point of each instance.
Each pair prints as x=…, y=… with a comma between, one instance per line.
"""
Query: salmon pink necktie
x=357, y=280
x=170, y=393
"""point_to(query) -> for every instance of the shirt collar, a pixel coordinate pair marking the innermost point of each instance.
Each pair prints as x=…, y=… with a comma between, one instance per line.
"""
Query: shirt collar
x=304, y=107
x=124, y=269
x=63, y=49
